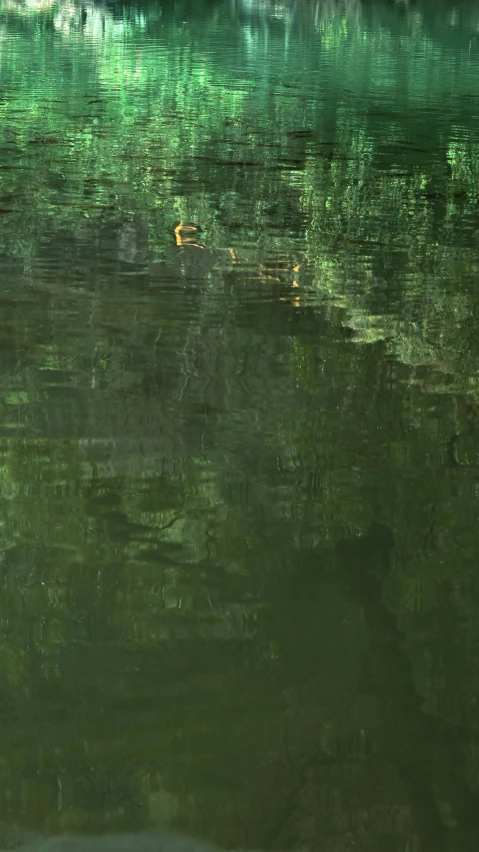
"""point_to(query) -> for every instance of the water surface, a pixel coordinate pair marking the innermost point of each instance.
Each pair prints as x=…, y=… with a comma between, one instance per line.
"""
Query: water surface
x=239, y=415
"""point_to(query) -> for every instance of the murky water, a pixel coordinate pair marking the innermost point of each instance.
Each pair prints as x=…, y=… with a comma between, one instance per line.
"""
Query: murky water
x=239, y=422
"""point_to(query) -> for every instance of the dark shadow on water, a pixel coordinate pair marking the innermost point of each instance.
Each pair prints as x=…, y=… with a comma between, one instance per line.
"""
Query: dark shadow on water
x=426, y=751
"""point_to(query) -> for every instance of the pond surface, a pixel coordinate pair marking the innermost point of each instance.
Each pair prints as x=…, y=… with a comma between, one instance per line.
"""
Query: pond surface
x=239, y=422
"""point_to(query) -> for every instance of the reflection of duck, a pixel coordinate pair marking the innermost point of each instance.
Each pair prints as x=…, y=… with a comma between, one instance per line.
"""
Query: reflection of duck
x=282, y=272
x=185, y=235
x=195, y=259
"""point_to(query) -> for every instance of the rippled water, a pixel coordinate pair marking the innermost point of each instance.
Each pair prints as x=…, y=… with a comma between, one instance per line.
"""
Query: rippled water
x=239, y=421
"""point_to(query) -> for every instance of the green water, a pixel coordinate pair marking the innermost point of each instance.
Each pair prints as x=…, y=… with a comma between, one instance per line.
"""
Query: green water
x=239, y=422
